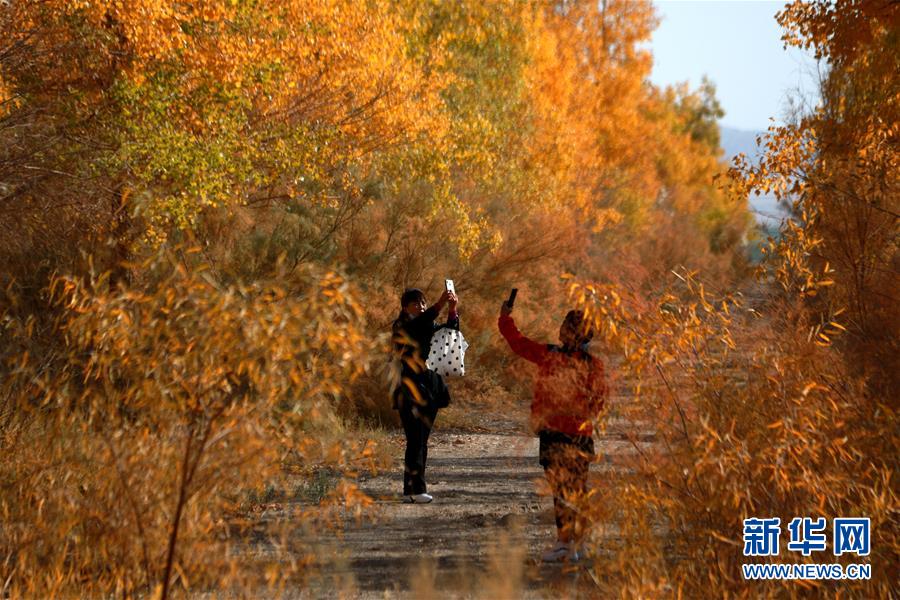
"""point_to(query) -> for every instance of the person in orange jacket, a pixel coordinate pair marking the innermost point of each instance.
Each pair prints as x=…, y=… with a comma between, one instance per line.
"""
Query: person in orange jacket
x=569, y=392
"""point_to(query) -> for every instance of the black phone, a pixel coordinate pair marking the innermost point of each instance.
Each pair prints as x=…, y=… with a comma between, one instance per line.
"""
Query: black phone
x=512, y=297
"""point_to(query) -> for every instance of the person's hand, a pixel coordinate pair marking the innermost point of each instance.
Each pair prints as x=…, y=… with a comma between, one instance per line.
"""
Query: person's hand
x=505, y=310
x=443, y=299
x=453, y=299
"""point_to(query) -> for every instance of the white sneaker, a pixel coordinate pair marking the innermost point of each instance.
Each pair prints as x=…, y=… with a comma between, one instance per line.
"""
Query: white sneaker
x=563, y=552
x=557, y=553
x=418, y=499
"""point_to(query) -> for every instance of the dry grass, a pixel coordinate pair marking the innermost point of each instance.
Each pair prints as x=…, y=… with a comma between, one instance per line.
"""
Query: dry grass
x=752, y=418
x=170, y=411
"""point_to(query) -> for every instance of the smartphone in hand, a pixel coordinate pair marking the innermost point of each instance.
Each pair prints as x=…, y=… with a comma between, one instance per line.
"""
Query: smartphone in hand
x=512, y=297
x=448, y=285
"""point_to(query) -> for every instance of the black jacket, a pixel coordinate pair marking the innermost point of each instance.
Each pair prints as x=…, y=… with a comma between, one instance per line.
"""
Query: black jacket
x=412, y=343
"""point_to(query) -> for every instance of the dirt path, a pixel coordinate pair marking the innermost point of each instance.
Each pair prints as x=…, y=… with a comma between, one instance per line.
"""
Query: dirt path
x=487, y=525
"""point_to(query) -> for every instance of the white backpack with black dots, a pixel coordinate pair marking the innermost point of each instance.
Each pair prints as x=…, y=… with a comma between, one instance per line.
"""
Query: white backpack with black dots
x=448, y=352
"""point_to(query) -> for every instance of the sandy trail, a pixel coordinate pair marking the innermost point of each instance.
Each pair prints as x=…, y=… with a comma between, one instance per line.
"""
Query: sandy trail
x=489, y=515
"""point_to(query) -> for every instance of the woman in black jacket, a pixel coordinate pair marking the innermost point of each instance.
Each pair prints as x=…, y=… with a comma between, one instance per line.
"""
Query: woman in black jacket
x=421, y=391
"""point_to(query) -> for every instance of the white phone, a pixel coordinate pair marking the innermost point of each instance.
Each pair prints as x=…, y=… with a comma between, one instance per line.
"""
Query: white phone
x=448, y=284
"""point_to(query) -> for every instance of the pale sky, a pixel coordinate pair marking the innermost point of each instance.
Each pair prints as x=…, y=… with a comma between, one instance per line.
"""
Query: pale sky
x=738, y=45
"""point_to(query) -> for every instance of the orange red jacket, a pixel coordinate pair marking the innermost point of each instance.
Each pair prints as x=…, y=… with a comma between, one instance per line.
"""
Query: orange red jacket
x=570, y=387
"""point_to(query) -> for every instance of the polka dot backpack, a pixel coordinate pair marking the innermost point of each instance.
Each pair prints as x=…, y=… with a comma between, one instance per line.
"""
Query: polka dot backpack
x=448, y=352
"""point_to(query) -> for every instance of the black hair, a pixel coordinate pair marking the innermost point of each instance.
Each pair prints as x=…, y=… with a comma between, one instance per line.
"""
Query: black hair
x=411, y=295
x=584, y=331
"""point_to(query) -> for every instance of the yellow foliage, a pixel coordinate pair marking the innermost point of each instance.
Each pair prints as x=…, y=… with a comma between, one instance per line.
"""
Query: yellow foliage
x=130, y=458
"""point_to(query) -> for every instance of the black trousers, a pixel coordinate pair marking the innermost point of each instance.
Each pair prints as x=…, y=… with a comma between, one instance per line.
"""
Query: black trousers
x=417, y=423
x=566, y=460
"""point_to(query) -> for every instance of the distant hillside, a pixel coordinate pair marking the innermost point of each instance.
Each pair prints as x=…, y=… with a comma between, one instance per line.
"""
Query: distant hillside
x=735, y=141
